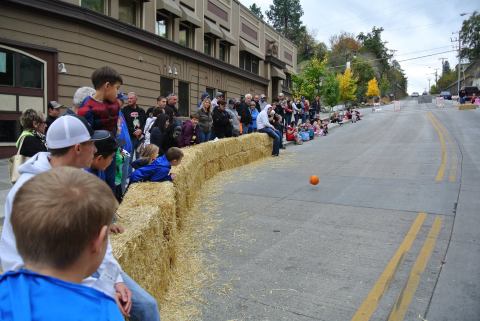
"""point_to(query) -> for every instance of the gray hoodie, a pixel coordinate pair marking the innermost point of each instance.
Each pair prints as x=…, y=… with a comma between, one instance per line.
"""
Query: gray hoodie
x=108, y=272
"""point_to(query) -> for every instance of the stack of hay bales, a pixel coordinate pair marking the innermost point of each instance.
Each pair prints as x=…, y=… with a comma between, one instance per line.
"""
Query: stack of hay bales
x=152, y=213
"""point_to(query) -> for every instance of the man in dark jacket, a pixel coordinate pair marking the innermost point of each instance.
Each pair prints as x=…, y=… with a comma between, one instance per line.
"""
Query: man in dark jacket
x=135, y=118
x=244, y=113
x=222, y=123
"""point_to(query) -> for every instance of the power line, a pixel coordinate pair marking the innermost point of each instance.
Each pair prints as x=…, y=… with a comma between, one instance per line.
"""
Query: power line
x=408, y=59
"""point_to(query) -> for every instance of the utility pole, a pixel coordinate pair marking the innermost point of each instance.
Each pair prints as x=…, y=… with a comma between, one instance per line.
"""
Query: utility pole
x=459, y=66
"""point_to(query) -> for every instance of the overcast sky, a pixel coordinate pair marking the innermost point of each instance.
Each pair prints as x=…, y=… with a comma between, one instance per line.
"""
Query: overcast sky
x=413, y=28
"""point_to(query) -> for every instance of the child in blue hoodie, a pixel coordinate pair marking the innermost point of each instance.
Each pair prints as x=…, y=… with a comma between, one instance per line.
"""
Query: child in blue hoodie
x=61, y=233
x=159, y=169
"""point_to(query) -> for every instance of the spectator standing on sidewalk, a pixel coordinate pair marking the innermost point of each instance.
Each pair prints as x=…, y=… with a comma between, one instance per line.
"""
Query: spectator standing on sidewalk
x=244, y=113
x=315, y=108
x=205, y=120
x=135, y=117
x=232, y=111
x=263, y=102
x=222, y=124
x=32, y=138
x=254, y=112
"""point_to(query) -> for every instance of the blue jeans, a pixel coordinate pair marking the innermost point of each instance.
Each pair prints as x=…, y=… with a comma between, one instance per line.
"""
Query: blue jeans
x=204, y=137
x=287, y=119
x=277, y=138
x=304, y=118
x=244, y=129
x=144, y=306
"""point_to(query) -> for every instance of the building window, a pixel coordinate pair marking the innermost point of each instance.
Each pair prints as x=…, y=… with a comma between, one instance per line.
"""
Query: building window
x=20, y=71
x=183, y=98
x=211, y=92
x=166, y=86
x=224, y=51
x=209, y=46
x=95, y=5
x=288, y=81
x=249, y=62
x=7, y=75
x=161, y=27
x=128, y=11
x=186, y=36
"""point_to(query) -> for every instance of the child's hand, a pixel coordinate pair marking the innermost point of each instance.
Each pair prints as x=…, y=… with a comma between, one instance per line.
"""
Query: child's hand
x=173, y=175
x=116, y=229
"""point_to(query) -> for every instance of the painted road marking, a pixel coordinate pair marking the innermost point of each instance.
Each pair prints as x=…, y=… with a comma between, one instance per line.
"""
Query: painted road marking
x=370, y=304
x=443, y=163
x=452, y=177
x=403, y=302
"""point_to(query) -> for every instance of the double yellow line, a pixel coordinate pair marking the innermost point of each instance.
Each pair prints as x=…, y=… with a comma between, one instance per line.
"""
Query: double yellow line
x=442, y=133
x=370, y=304
x=400, y=308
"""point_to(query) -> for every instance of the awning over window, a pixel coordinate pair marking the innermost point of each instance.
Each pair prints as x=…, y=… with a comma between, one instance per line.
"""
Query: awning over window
x=170, y=6
x=228, y=37
x=276, y=72
x=212, y=28
x=249, y=47
x=190, y=17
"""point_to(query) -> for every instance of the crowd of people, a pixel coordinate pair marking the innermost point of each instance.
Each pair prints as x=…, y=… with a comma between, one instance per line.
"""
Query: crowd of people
x=107, y=134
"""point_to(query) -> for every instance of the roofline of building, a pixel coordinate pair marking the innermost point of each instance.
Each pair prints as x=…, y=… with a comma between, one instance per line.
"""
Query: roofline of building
x=266, y=23
x=88, y=17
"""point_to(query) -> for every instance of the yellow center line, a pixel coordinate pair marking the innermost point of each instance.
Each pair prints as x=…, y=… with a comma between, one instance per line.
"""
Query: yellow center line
x=403, y=302
x=454, y=162
x=443, y=163
x=370, y=304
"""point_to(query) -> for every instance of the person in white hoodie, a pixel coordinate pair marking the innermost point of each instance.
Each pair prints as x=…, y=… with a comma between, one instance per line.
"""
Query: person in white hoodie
x=71, y=143
x=264, y=126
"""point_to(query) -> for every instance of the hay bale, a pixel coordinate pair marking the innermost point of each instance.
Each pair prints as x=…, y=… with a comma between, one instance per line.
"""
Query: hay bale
x=152, y=213
x=467, y=106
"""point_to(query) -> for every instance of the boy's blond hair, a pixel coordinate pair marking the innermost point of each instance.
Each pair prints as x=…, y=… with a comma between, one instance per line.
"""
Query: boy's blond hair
x=149, y=151
x=57, y=213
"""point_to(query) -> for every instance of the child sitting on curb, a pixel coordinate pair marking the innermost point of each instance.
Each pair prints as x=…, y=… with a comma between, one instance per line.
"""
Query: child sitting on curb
x=292, y=134
x=61, y=233
x=159, y=170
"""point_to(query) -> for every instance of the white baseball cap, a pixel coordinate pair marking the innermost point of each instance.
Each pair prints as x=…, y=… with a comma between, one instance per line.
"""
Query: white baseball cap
x=70, y=130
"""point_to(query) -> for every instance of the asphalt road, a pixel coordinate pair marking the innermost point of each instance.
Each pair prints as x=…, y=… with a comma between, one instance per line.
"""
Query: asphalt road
x=390, y=233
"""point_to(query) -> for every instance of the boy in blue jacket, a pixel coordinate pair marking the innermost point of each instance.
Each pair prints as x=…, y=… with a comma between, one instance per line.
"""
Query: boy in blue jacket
x=61, y=232
x=159, y=169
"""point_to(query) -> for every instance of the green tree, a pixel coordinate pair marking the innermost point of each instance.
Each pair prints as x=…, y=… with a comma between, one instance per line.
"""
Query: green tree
x=446, y=80
x=364, y=73
x=434, y=90
x=446, y=67
x=285, y=17
x=470, y=37
x=256, y=10
x=372, y=42
x=330, y=90
x=347, y=85
x=384, y=85
x=307, y=83
x=309, y=47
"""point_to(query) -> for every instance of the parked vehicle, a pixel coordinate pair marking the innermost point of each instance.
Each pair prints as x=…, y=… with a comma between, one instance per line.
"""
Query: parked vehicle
x=415, y=94
x=446, y=95
x=469, y=91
